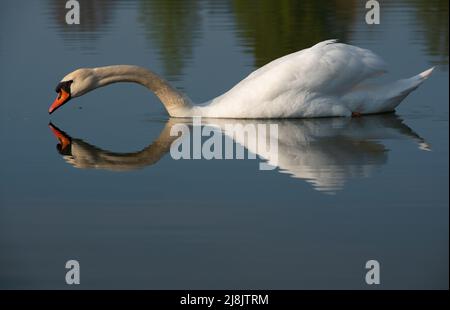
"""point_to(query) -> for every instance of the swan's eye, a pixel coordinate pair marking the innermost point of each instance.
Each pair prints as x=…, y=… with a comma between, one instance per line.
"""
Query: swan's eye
x=65, y=85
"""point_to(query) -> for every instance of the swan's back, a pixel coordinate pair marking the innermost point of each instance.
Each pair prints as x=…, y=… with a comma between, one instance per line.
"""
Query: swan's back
x=327, y=66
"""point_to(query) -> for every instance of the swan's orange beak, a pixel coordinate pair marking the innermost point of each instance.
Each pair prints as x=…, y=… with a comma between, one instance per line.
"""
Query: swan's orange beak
x=62, y=98
x=64, y=140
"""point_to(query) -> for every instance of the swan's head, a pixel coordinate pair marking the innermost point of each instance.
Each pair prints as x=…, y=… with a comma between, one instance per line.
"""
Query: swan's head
x=74, y=84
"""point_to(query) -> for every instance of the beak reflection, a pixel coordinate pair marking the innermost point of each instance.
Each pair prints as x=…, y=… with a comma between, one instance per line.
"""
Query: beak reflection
x=64, y=144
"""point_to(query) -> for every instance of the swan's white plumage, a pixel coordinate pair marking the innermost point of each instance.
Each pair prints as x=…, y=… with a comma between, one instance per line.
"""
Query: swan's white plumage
x=319, y=81
x=327, y=79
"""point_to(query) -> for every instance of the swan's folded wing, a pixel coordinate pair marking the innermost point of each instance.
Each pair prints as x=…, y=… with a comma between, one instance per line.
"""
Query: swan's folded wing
x=292, y=86
x=328, y=68
x=334, y=68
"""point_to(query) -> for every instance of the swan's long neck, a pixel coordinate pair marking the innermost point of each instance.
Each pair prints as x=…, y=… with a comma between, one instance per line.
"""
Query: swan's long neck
x=174, y=101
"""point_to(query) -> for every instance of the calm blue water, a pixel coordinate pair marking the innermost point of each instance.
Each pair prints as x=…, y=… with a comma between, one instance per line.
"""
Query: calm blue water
x=345, y=191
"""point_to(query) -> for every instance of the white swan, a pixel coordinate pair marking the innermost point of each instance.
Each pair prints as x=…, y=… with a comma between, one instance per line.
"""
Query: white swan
x=328, y=79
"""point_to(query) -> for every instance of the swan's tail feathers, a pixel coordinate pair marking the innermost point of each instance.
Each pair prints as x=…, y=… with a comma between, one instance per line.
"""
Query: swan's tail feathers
x=399, y=90
x=426, y=74
x=415, y=81
x=412, y=83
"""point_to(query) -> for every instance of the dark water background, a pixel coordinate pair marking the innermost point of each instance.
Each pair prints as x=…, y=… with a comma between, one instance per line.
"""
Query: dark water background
x=371, y=189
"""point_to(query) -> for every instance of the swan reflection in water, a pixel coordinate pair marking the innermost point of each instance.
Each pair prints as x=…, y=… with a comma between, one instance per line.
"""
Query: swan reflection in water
x=324, y=152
